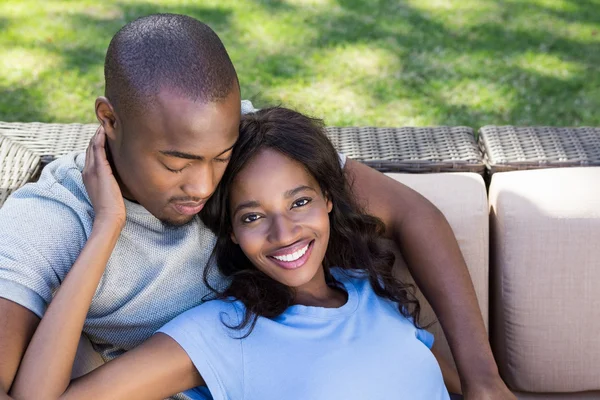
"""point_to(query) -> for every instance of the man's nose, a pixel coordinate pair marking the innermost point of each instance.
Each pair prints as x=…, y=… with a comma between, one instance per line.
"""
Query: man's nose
x=200, y=183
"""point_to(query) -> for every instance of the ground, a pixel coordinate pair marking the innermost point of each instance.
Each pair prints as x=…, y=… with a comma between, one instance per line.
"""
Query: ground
x=351, y=62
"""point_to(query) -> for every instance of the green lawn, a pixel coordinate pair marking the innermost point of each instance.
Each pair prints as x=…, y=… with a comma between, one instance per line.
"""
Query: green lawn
x=352, y=62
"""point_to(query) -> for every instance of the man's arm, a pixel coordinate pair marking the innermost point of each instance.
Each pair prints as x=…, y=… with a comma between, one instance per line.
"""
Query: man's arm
x=434, y=259
x=451, y=378
x=17, y=325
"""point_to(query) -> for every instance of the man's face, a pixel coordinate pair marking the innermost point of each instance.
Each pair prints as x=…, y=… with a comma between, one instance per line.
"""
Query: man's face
x=171, y=159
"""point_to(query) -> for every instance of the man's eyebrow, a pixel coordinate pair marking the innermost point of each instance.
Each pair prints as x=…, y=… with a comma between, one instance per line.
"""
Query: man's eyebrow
x=188, y=156
x=179, y=154
x=247, y=204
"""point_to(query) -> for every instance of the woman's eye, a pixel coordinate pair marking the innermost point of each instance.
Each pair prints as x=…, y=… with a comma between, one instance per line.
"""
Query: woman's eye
x=301, y=202
x=250, y=218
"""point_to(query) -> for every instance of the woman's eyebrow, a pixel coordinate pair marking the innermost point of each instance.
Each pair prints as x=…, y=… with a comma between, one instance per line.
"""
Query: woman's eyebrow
x=295, y=191
x=287, y=194
x=246, y=204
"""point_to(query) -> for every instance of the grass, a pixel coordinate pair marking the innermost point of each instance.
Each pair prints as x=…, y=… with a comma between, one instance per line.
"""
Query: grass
x=352, y=62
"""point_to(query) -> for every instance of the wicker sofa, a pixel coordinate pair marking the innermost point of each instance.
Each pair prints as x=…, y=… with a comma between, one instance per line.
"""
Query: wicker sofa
x=528, y=229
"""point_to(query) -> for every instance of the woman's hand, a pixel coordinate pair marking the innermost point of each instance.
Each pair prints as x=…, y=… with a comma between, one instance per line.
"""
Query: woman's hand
x=101, y=185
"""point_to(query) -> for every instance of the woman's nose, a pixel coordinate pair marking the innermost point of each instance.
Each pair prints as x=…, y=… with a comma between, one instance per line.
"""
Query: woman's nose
x=283, y=230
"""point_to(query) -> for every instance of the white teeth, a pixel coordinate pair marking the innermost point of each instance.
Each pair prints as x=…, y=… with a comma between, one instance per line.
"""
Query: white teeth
x=294, y=256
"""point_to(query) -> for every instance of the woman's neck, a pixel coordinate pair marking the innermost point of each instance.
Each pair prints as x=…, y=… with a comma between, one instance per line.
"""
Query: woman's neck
x=316, y=293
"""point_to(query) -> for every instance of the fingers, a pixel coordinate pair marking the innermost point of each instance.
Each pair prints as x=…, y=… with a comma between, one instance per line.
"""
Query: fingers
x=98, y=149
x=88, y=150
x=95, y=154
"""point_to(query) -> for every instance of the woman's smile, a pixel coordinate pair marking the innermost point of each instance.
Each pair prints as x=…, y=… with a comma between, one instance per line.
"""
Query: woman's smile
x=292, y=257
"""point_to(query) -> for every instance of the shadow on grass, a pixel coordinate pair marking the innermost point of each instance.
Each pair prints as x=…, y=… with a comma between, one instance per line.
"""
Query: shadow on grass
x=86, y=56
x=435, y=61
x=430, y=53
x=23, y=104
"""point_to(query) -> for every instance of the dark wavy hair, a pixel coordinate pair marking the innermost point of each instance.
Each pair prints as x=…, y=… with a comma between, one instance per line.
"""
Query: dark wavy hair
x=353, y=241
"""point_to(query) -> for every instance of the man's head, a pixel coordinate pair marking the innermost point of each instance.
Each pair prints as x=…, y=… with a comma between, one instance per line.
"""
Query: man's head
x=171, y=113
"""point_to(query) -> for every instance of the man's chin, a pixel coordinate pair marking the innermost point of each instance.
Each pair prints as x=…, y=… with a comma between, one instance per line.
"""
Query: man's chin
x=176, y=222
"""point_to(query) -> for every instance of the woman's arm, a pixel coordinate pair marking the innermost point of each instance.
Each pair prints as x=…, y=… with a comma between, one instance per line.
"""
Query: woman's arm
x=48, y=360
x=156, y=369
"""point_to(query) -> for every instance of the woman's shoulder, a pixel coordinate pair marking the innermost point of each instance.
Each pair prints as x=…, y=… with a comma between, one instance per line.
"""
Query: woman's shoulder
x=355, y=276
x=226, y=311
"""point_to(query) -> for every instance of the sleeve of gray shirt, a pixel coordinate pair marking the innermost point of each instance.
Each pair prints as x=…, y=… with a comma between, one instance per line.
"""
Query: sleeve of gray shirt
x=41, y=235
x=248, y=108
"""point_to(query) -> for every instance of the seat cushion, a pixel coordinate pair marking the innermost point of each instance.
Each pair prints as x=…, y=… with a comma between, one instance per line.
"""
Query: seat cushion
x=545, y=270
x=559, y=396
x=462, y=198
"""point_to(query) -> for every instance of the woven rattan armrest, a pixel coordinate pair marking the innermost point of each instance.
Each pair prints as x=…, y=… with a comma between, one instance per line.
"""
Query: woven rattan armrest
x=510, y=148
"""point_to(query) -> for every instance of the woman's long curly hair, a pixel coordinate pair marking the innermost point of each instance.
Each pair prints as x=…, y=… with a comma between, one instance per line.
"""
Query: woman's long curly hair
x=353, y=241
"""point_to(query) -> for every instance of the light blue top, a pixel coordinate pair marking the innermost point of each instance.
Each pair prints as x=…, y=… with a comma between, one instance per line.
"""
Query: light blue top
x=363, y=350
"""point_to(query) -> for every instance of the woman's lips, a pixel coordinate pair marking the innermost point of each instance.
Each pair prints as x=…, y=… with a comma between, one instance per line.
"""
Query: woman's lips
x=295, y=263
x=188, y=208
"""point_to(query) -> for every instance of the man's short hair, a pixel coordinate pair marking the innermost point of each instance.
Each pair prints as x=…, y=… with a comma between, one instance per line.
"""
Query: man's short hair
x=166, y=51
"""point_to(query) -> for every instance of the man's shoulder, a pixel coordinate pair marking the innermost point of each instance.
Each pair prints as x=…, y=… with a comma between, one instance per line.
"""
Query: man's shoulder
x=58, y=197
x=247, y=107
x=61, y=180
x=64, y=170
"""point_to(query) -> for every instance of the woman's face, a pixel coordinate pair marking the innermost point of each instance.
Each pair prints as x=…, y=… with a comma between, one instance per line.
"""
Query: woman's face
x=280, y=219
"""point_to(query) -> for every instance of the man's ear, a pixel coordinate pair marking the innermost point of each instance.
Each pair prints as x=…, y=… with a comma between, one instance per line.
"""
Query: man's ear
x=107, y=117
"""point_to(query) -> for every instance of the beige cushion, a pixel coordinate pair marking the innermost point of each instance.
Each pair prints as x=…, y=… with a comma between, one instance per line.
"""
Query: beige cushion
x=462, y=198
x=559, y=396
x=545, y=270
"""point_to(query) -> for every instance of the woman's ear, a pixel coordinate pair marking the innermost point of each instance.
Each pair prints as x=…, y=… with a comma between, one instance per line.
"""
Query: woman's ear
x=106, y=116
x=329, y=204
x=233, y=238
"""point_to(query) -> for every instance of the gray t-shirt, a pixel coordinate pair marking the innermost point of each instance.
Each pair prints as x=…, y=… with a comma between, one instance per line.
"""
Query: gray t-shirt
x=154, y=274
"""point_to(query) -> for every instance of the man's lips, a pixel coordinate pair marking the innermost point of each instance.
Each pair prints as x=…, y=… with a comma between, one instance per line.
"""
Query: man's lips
x=188, y=208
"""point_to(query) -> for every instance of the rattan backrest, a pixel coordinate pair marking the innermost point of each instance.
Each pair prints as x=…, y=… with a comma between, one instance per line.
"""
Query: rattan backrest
x=49, y=141
x=17, y=165
x=407, y=149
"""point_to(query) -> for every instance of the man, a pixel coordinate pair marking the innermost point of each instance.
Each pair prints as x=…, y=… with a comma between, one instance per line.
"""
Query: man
x=171, y=116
